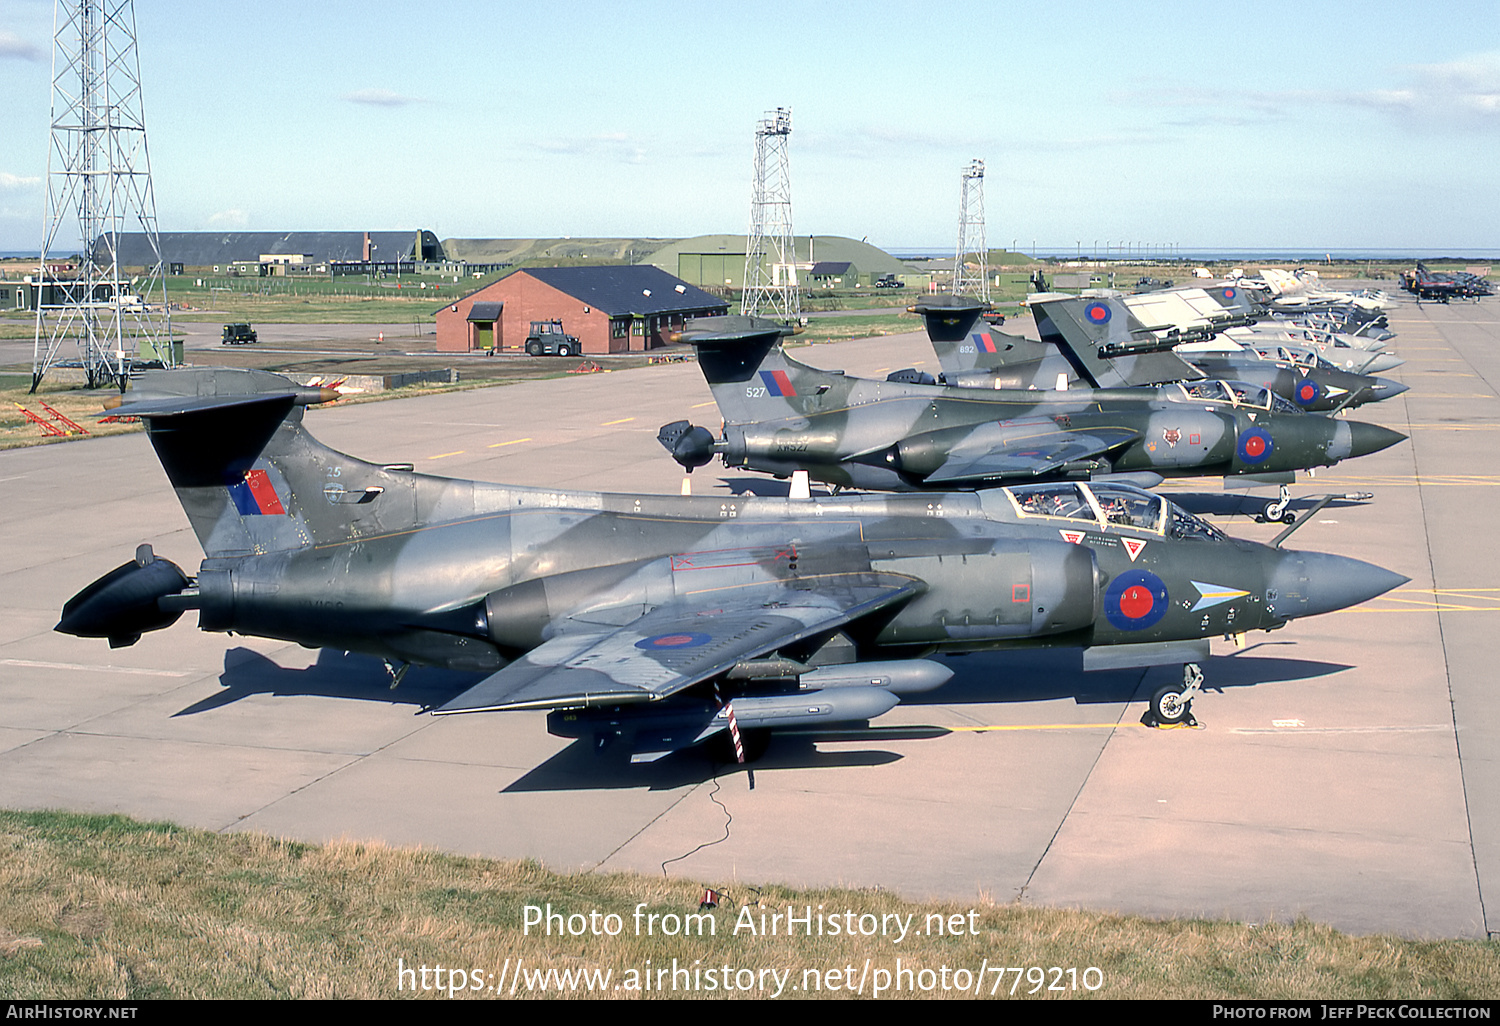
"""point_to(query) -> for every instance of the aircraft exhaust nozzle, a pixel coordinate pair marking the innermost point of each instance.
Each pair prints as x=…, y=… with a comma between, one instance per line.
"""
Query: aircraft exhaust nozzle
x=123, y=604
x=689, y=445
x=1309, y=583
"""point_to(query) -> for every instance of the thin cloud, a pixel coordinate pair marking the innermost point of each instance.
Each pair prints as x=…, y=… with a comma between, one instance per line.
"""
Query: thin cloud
x=380, y=98
x=1466, y=89
x=1457, y=92
x=615, y=146
x=10, y=181
x=229, y=219
x=13, y=47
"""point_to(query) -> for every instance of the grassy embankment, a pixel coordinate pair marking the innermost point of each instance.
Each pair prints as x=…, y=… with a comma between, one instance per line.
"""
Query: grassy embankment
x=107, y=907
x=358, y=300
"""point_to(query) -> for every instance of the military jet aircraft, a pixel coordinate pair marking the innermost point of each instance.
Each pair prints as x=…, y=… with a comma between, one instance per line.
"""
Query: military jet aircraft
x=1105, y=345
x=1443, y=286
x=782, y=416
x=653, y=623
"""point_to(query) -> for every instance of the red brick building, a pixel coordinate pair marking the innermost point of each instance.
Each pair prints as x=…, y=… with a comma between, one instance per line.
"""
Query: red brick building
x=609, y=308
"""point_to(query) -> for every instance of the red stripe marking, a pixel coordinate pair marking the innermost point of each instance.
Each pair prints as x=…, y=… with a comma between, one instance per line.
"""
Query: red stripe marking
x=265, y=495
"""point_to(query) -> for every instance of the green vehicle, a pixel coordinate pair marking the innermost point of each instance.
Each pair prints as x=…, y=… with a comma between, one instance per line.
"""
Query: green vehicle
x=238, y=335
x=547, y=338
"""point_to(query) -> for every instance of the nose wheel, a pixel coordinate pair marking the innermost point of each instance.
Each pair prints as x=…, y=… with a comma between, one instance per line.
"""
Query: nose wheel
x=1276, y=510
x=1172, y=705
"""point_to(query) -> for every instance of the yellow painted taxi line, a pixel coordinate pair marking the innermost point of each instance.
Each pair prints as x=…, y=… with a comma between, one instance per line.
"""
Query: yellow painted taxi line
x=1045, y=726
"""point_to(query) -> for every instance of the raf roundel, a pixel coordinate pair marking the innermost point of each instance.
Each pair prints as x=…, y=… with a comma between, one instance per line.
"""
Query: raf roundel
x=1255, y=445
x=1230, y=293
x=666, y=642
x=1097, y=313
x=1136, y=599
x=1307, y=392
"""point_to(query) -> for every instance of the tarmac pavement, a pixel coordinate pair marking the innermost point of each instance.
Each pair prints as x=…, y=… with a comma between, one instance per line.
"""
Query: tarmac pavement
x=1346, y=772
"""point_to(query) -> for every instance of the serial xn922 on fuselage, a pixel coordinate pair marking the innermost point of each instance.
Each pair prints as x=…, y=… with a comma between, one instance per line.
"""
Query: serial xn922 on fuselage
x=781, y=416
x=638, y=618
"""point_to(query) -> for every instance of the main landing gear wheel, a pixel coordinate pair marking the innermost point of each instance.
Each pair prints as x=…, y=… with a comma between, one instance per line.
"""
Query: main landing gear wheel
x=1172, y=705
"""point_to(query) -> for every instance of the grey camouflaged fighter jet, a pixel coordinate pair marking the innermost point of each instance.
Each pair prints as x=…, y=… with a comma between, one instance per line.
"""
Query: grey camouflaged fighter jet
x=1100, y=342
x=641, y=619
x=782, y=416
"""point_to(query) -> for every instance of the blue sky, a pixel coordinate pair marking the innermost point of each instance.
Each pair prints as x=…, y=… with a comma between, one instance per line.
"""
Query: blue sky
x=1324, y=125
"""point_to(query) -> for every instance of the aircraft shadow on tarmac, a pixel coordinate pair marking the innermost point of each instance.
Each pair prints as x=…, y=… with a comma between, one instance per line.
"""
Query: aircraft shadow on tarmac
x=335, y=675
x=1239, y=504
x=1034, y=675
x=981, y=678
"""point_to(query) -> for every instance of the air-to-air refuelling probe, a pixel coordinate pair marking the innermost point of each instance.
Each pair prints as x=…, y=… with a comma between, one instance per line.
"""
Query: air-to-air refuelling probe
x=641, y=620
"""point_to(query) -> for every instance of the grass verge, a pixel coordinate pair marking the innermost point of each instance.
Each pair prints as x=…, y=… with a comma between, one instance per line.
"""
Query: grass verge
x=111, y=908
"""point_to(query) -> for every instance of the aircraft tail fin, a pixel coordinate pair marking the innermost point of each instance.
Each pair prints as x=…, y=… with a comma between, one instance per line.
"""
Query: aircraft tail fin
x=1107, y=345
x=1240, y=304
x=965, y=343
x=949, y=318
x=749, y=375
x=247, y=474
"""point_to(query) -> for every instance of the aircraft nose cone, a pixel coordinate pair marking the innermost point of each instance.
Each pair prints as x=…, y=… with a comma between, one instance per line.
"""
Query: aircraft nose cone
x=1385, y=388
x=1309, y=583
x=1367, y=438
x=1383, y=362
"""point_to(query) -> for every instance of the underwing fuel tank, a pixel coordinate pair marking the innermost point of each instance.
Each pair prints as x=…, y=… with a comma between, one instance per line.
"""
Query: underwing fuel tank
x=898, y=676
x=655, y=731
x=125, y=603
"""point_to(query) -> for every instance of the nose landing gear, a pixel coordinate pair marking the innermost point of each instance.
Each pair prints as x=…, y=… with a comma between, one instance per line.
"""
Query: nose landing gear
x=1172, y=705
x=1277, y=510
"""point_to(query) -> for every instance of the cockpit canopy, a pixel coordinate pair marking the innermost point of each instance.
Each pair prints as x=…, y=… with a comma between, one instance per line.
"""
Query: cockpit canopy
x=1229, y=393
x=1296, y=357
x=1104, y=505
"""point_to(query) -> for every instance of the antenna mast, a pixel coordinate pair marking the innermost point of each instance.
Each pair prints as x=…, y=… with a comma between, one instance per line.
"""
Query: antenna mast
x=770, y=257
x=99, y=181
x=972, y=280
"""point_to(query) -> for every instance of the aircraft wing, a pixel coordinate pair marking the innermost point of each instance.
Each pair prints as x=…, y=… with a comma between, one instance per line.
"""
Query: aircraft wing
x=680, y=643
x=172, y=406
x=1018, y=458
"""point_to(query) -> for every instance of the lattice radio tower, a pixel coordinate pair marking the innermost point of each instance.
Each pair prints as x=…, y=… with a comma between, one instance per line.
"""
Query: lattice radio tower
x=770, y=259
x=99, y=181
x=972, y=280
